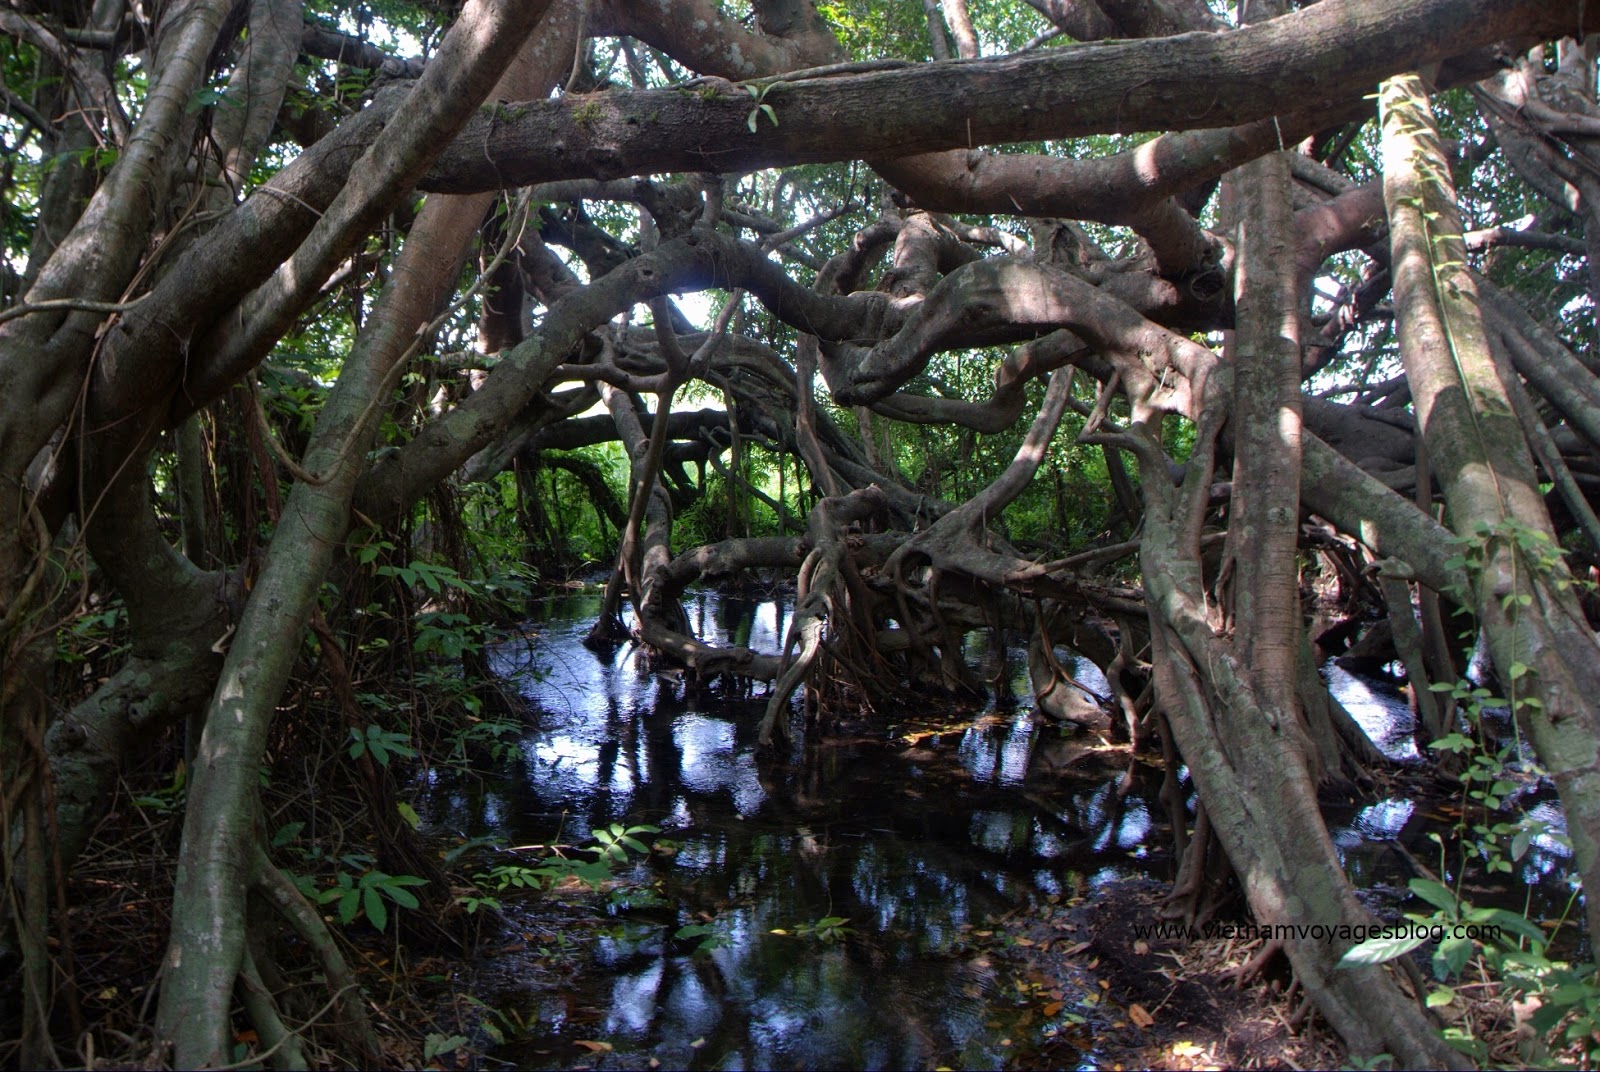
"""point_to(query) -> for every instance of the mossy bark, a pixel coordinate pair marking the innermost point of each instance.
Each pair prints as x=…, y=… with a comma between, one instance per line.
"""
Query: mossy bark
x=1524, y=597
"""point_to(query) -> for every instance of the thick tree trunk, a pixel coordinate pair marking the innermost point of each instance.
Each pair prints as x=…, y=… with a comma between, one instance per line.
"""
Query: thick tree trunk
x=1543, y=649
x=1231, y=701
x=218, y=862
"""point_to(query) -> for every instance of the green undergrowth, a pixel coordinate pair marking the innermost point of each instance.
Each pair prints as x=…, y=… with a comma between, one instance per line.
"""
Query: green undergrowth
x=1507, y=994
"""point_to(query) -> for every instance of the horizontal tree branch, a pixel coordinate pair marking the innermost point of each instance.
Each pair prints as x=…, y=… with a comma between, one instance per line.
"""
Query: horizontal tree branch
x=1320, y=57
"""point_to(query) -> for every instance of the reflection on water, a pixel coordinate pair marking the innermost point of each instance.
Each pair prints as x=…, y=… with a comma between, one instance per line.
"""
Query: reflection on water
x=914, y=842
x=1378, y=708
x=913, y=847
x=1383, y=843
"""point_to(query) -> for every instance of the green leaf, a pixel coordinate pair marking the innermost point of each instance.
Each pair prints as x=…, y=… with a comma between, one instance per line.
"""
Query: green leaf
x=405, y=880
x=349, y=905
x=1442, y=996
x=1467, y=1044
x=402, y=897
x=1568, y=994
x=1436, y=894
x=202, y=98
x=595, y=874
x=409, y=814
x=1451, y=956
x=1453, y=742
x=377, y=914
x=1519, y=925
x=286, y=833
x=436, y=1045
x=1379, y=951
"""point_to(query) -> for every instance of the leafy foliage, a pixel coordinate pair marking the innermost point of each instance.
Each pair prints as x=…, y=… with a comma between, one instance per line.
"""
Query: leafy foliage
x=370, y=894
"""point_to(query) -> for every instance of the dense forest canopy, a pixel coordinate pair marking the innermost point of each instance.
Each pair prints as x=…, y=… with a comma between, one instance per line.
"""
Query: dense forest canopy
x=1184, y=333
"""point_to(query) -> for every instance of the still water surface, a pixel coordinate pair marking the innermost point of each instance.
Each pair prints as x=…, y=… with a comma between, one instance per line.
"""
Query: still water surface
x=916, y=837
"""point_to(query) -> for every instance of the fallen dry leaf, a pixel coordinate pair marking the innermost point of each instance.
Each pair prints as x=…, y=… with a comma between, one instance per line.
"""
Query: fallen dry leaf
x=1140, y=1016
x=592, y=1046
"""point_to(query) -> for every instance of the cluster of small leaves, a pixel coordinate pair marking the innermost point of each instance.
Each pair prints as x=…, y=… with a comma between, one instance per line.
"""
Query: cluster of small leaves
x=828, y=929
x=358, y=888
x=709, y=936
x=447, y=634
x=170, y=797
x=368, y=895
x=612, y=847
x=1565, y=999
x=381, y=744
x=491, y=735
x=101, y=632
x=430, y=576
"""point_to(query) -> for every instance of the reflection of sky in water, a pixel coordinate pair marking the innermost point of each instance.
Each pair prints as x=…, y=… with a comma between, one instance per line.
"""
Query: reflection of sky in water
x=1549, y=858
x=979, y=651
x=1086, y=672
x=564, y=763
x=1550, y=815
x=1385, y=716
x=998, y=754
x=633, y=1000
x=711, y=764
x=1107, y=875
x=765, y=1000
x=1382, y=821
x=726, y=619
x=615, y=742
x=1135, y=824
x=911, y=876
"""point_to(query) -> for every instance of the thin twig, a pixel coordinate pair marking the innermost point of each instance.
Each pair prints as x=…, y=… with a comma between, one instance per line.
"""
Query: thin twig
x=81, y=305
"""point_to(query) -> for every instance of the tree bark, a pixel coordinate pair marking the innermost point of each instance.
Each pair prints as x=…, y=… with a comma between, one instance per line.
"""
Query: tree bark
x=1543, y=649
x=217, y=862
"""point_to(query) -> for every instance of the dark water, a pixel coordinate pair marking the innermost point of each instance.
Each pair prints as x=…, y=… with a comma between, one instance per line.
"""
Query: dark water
x=915, y=836
x=1380, y=840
